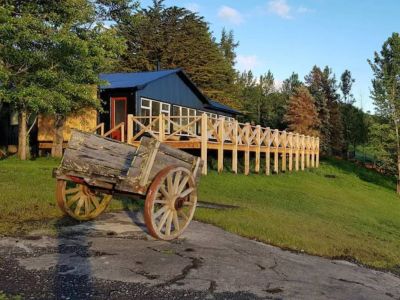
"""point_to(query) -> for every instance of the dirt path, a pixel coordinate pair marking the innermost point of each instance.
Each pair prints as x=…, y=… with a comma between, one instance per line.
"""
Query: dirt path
x=113, y=258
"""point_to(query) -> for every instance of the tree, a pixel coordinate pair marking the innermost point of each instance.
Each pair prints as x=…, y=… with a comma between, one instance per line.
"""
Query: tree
x=228, y=46
x=330, y=88
x=355, y=129
x=302, y=115
x=314, y=82
x=346, y=83
x=176, y=37
x=386, y=87
x=52, y=54
x=290, y=84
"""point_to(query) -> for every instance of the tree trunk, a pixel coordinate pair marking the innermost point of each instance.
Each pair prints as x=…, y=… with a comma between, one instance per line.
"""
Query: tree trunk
x=58, y=137
x=22, y=135
x=398, y=155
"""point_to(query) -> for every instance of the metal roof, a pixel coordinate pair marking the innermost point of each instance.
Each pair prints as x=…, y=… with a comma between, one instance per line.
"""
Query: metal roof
x=133, y=80
x=139, y=80
x=221, y=107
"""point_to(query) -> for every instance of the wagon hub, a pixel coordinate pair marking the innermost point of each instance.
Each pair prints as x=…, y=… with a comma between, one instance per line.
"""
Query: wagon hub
x=87, y=191
x=178, y=204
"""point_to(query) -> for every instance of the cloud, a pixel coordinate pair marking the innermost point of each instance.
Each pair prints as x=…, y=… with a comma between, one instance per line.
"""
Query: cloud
x=247, y=62
x=230, y=15
x=280, y=8
x=192, y=6
x=304, y=10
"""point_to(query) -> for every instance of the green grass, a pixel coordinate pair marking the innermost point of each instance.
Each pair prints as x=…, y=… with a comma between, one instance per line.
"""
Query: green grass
x=354, y=215
x=27, y=197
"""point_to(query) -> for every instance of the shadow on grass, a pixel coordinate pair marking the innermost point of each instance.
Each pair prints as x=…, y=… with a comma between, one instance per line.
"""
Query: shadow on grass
x=363, y=173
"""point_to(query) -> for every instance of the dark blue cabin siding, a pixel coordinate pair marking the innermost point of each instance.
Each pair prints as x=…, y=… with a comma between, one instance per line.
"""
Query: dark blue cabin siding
x=170, y=89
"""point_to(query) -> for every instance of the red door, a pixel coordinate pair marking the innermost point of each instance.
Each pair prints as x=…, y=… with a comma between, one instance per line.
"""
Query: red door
x=118, y=115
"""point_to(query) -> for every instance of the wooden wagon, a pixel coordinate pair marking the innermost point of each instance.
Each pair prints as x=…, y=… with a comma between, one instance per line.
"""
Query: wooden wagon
x=95, y=168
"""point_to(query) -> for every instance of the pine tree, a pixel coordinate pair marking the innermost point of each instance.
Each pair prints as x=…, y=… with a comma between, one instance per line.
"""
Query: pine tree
x=335, y=118
x=175, y=37
x=386, y=87
x=346, y=83
x=314, y=82
x=302, y=116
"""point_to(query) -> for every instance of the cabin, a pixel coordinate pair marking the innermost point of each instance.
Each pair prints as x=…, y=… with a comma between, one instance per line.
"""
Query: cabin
x=149, y=94
x=142, y=94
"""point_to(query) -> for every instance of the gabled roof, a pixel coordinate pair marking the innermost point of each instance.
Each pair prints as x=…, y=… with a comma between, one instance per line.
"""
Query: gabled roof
x=133, y=80
x=139, y=80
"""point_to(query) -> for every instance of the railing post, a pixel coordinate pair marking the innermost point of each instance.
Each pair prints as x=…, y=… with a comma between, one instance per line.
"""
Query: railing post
x=258, y=149
x=312, y=152
x=102, y=129
x=284, y=143
x=161, y=130
x=235, y=146
x=276, y=151
x=290, y=143
x=129, y=129
x=247, y=150
x=268, y=152
x=204, y=142
x=221, y=131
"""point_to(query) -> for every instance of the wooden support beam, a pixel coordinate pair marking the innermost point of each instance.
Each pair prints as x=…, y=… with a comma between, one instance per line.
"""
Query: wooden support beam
x=312, y=152
x=283, y=143
x=204, y=142
x=129, y=129
x=258, y=149
x=161, y=128
x=268, y=151
x=235, y=146
x=247, y=151
x=290, y=144
x=276, y=151
x=221, y=131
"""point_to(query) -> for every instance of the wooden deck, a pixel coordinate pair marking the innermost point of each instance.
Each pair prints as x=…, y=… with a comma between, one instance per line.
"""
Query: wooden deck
x=288, y=151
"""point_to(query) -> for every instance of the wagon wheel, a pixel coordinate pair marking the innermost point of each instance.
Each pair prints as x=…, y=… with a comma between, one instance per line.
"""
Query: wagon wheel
x=170, y=203
x=79, y=201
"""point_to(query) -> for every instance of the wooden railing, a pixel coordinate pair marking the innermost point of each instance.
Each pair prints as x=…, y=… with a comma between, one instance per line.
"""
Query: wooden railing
x=120, y=128
x=296, y=151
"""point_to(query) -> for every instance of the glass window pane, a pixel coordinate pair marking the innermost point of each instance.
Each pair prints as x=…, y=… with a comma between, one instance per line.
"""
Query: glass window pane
x=145, y=112
x=155, y=108
x=145, y=103
x=165, y=107
x=119, y=112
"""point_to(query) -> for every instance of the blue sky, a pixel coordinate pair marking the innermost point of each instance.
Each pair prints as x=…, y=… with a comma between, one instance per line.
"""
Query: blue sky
x=293, y=35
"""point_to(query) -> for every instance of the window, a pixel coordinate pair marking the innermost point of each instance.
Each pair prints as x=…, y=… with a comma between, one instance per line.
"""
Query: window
x=183, y=116
x=152, y=108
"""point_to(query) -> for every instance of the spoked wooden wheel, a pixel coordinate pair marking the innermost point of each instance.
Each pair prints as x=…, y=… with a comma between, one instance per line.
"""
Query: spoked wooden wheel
x=170, y=203
x=79, y=201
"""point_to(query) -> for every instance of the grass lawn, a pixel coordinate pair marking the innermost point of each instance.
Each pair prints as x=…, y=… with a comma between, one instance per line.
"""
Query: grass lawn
x=338, y=210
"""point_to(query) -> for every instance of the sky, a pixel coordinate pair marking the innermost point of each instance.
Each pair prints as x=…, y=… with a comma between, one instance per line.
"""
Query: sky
x=294, y=35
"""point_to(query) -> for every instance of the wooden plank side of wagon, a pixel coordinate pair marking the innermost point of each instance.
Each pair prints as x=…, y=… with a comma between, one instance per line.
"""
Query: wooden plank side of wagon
x=90, y=155
x=152, y=157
